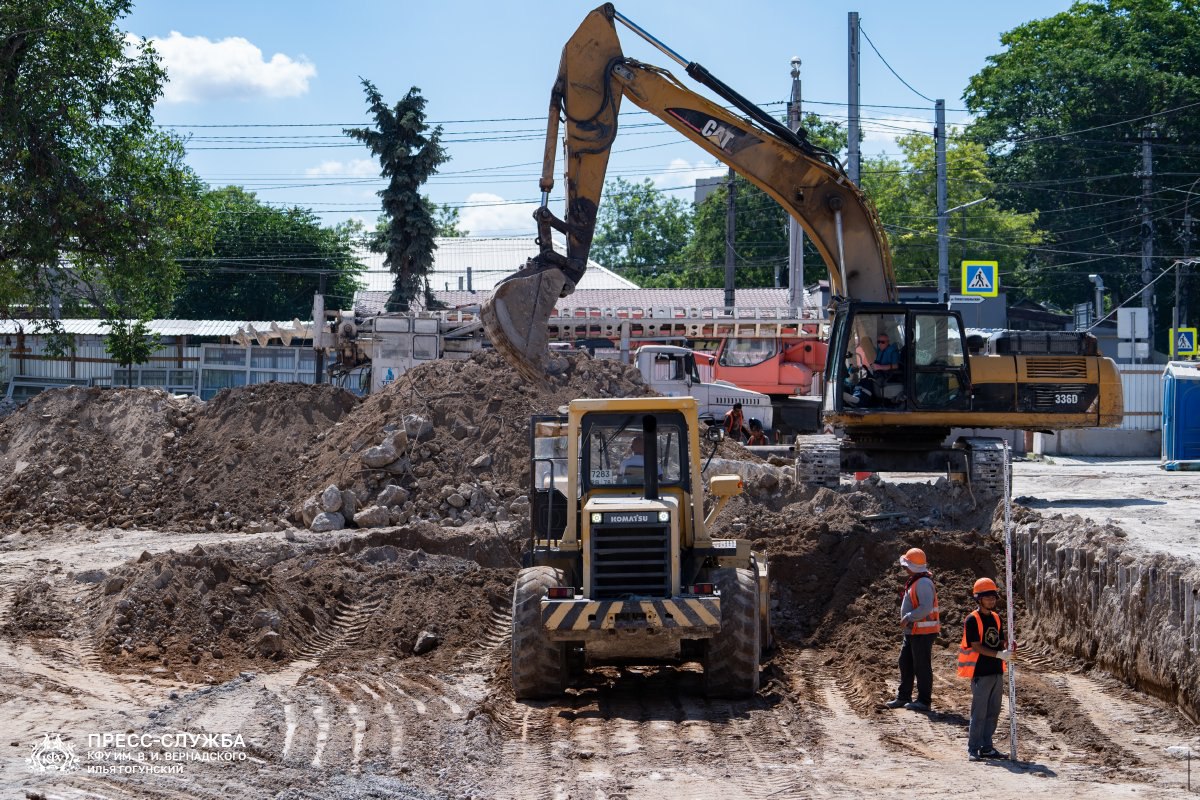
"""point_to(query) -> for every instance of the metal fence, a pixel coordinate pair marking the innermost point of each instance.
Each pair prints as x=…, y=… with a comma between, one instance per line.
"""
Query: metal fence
x=1142, y=386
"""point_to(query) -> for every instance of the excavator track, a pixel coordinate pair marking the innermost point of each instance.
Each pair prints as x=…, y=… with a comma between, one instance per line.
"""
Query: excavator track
x=818, y=460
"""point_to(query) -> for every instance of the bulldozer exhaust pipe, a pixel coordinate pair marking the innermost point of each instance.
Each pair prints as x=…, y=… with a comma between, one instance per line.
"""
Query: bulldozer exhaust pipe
x=650, y=456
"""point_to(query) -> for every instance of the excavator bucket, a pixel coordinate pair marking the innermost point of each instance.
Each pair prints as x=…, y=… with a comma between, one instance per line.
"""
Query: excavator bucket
x=516, y=317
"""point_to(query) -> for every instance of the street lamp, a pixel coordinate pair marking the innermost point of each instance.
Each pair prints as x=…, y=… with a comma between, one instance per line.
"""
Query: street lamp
x=944, y=267
x=1096, y=279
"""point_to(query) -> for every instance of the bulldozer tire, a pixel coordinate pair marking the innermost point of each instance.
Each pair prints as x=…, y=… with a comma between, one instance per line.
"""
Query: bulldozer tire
x=731, y=657
x=539, y=667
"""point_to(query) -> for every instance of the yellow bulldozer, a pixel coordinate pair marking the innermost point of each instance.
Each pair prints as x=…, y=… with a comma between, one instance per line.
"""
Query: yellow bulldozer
x=621, y=568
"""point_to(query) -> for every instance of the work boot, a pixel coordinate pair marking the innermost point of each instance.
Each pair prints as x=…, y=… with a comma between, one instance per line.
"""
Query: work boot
x=991, y=752
x=897, y=703
x=917, y=705
x=972, y=756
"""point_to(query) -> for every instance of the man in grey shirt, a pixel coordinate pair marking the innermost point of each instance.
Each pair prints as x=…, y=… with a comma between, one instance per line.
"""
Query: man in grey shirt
x=919, y=619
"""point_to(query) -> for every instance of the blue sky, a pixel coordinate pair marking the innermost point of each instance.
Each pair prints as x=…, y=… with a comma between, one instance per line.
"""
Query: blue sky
x=262, y=88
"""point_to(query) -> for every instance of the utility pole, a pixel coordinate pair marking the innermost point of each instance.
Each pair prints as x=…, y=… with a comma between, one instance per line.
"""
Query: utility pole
x=795, y=232
x=319, y=331
x=1181, y=306
x=730, y=230
x=939, y=147
x=853, y=157
x=1148, y=133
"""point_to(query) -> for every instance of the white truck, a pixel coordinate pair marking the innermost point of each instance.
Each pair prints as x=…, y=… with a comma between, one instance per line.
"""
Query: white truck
x=671, y=371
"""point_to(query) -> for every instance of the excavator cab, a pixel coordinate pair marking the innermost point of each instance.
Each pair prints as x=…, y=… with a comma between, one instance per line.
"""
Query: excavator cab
x=886, y=357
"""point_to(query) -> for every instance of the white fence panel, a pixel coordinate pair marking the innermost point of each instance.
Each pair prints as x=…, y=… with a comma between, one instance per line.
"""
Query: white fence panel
x=1142, y=386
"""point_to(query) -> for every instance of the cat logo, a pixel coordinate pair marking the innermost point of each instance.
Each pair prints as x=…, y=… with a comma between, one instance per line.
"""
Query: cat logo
x=729, y=138
x=718, y=133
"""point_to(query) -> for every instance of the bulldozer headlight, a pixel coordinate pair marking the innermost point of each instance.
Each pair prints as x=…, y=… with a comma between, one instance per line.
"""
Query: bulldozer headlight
x=664, y=516
x=597, y=517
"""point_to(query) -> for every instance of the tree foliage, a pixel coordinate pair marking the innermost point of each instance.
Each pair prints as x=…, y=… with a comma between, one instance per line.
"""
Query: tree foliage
x=904, y=193
x=446, y=219
x=1061, y=111
x=265, y=263
x=641, y=229
x=93, y=200
x=409, y=153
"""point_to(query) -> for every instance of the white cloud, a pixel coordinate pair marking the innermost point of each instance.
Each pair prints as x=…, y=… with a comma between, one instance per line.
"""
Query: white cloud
x=681, y=172
x=199, y=69
x=357, y=168
x=486, y=215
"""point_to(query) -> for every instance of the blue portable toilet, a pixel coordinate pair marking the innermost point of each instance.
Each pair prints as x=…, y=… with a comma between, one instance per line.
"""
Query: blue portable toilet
x=1181, y=416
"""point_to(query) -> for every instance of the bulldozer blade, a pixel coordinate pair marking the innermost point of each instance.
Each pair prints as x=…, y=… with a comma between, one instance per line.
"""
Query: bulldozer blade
x=516, y=317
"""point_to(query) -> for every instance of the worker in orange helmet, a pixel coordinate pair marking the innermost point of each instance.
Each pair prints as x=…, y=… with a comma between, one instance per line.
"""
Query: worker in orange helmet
x=983, y=658
x=919, y=619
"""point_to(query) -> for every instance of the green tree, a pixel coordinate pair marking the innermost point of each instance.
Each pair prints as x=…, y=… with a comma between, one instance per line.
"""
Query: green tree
x=905, y=195
x=93, y=200
x=641, y=230
x=409, y=153
x=761, y=225
x=265, y=263
x=446, y=219
x=1061, y=111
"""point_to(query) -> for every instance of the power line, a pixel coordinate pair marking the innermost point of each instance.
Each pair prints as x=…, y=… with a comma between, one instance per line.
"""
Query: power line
x=889, y=66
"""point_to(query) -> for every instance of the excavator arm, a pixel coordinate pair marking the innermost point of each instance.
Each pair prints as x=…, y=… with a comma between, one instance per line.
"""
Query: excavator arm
x=593, y=78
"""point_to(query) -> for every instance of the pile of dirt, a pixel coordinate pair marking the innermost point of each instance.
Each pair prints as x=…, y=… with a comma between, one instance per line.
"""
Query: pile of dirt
x=456, y=427
x=208, y=614
x=250, y=457
x=144, y=458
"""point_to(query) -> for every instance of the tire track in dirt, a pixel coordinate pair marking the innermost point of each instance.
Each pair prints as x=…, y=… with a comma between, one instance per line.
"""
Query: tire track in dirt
x=526, y=755
x=1139, y=726
x=845, y=738
x=486, y=655
x=395, y=727
x=349, y=622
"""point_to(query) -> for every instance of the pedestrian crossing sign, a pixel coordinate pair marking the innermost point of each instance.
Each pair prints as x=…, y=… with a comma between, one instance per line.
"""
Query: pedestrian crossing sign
x=981, y=278
x=1183, y=342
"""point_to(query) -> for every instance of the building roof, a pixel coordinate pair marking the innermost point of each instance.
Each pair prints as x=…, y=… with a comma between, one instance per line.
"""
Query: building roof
x=489, y=260
x=366, y=303
x=160, y=327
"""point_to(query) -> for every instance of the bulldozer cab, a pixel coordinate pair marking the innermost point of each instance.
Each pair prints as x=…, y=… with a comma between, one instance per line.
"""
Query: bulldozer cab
x=897, y=357
x=619, y=452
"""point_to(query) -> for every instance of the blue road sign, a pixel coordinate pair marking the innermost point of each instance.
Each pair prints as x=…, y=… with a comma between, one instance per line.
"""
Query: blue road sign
x=981, y=278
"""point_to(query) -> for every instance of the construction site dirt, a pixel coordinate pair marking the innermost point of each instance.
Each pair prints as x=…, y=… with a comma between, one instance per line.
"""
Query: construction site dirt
x=172, y=626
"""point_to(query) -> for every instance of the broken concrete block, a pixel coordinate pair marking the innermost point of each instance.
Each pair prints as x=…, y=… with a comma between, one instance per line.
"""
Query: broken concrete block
x=373, y=517
x=331, y=498
x=328, y=521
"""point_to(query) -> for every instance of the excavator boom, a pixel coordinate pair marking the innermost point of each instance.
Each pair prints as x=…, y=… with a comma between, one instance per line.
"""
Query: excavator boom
x=593, y=77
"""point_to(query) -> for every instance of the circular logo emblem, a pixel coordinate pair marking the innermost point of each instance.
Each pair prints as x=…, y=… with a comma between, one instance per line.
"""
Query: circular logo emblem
x=52, y=755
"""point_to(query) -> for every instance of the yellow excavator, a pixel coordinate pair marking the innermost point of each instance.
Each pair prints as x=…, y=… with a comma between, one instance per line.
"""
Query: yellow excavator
x=934, y=378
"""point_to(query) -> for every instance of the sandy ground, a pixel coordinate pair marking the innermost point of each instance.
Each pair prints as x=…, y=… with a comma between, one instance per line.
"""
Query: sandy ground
x=322, y=726
x=1159, y=510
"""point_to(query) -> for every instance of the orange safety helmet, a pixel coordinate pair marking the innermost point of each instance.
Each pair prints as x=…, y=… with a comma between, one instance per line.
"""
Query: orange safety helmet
x=914, y=559
x=984, y=586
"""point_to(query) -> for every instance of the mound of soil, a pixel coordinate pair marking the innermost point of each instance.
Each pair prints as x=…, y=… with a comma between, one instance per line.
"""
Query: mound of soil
x=249, y=457
x=210, y=613
x=144, y=458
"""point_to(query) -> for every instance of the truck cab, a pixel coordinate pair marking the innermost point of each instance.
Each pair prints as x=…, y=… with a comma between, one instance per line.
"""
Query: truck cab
x=672, y=371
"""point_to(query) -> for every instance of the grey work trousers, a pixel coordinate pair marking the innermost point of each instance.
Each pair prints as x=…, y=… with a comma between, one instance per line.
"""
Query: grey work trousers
x=986, y=693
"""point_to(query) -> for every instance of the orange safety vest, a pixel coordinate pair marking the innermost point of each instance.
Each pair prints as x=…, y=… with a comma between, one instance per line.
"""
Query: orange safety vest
x=930, y=622
x=967, y=657
x=734, y=422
